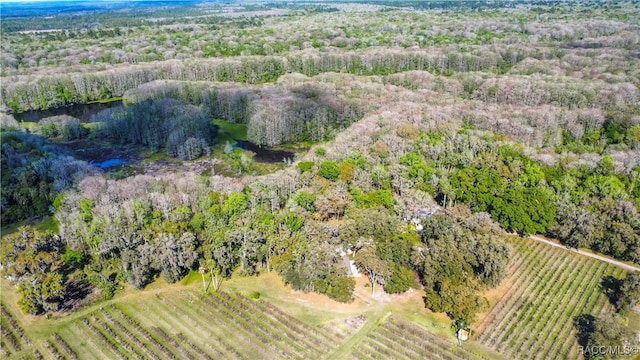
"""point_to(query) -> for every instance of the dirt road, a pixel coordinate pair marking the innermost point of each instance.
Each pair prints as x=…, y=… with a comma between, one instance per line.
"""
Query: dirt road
x=625, y=266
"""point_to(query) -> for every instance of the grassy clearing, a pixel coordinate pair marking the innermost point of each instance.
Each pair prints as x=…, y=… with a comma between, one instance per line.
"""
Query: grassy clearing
x=151, y=156
x=545, y=289
x=230, y=132
x=44, y=224
x=106, y=101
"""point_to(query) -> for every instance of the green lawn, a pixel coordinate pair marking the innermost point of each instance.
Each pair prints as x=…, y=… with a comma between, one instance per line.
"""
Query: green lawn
x=46, y=223
x=230, y=132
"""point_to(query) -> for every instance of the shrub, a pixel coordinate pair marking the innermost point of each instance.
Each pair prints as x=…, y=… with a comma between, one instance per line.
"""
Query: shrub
x=306, y=200
x=337, y=286
x=373, y=199
x=329, y=170
x=346, y=171
x=305, y=166
x=407, y=131
x=255, y=295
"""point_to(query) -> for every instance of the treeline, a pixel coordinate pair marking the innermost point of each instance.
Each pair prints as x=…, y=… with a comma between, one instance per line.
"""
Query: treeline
x=284, y=113
x=582, y=206
x=34, y=172
x=42, y=92
x=286, y=222
x=83, y=16
x=225, y=35
x=610, y=330
x=563, y=114
x=182, y=130
x=535, y=91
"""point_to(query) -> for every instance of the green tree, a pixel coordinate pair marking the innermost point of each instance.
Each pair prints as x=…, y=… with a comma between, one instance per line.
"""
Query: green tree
x=630, y=292
x=329, y=170
x=372, y=266
x=459, y=256
x=598, y=335
x=400, y=279
x=235, y=204
x=305, y=200
x=337, y=285
x=34, y=261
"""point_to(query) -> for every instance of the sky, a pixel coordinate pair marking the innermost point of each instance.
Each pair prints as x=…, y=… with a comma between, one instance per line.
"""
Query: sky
x=77, y=1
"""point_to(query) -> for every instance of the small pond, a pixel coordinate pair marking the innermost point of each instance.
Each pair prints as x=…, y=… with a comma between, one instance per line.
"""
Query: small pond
x=82, y=112
x=107, y=163
x=264, y=154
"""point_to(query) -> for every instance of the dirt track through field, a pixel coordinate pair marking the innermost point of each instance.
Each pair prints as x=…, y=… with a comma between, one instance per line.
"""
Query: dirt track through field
x=620, y=264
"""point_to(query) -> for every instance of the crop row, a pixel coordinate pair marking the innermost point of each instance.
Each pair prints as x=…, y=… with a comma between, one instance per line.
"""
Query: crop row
x=8, y=338
x=109, y=342
x=14, y=326
x=130, y=337
x=321, y=333
x=199, y=352
x=309, y=342
x=145, y=337
x=595, y=305
x=213, y=326
x=270, y=338
x=529, y=302
x=567, y=306
x=535, y=275
x=549, y=287
x=399, y=339
x=548, y=311
x=536, y=301
x=256, y=320
x=115, y=334
x=53, y=350
x=65, y=347
x=190, y=317
x=517, y=277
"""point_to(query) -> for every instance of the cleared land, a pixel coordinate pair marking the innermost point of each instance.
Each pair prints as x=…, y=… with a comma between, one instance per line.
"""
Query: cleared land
x=547, y=287
x=178, y=322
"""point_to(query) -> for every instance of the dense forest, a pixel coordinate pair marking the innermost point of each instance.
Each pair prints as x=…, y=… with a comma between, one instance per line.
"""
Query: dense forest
x=429, y=137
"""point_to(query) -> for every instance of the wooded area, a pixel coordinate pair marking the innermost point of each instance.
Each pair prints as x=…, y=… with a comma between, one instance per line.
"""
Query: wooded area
x=429, y=136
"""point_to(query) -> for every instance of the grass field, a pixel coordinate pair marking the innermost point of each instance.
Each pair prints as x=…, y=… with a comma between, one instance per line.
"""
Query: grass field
x=535, y=305
x=230, y=132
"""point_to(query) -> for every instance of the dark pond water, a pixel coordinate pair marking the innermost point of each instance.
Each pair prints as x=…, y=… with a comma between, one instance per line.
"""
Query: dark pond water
x=107, y=163
x=264, y=154
x=83, y=112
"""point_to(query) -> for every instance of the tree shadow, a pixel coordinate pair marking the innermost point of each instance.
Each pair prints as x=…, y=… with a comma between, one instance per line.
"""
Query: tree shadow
x=585, y=325
x=76, y=294
x=611, y=287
